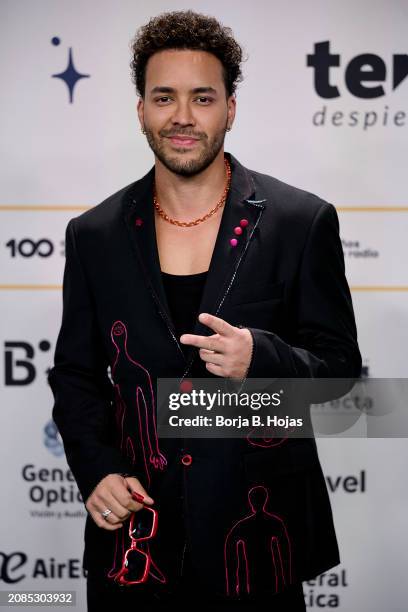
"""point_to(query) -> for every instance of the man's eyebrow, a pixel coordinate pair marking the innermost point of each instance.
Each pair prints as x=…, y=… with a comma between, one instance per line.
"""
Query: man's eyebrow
x=163, y=89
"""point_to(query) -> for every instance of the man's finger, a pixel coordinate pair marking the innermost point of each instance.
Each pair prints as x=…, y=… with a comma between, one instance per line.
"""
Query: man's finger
x=211, y=343
x=134, y=486
x=103, y=523
x=220, y=326
x=120, y=512
x=211, y=357
x=215, y=369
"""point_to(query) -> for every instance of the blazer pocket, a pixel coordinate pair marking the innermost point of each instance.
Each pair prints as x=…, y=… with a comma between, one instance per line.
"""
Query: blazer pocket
x=250, y=292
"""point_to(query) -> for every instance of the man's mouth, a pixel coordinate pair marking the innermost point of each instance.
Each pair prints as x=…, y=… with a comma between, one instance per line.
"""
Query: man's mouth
x=184, y=141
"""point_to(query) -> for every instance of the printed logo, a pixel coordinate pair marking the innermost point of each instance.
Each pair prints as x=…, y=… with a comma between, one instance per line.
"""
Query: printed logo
x=359, y=72
x=53, y=492
x=366, y=77
x=19, y=368
x=70, y=75
x=326, y=590
x=52, y=439
x=16, y=566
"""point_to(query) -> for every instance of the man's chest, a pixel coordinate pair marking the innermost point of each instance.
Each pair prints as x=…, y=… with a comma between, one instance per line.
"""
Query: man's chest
x=186, y=250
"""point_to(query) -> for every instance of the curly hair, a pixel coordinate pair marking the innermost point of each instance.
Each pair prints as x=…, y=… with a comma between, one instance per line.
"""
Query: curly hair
x=186, y=30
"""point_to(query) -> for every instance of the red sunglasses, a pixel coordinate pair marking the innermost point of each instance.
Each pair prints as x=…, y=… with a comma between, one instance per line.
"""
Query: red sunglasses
x=137, y=561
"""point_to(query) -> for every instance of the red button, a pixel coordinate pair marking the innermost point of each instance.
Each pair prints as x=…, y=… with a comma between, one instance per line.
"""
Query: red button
x=186, y=460
x=186, y=385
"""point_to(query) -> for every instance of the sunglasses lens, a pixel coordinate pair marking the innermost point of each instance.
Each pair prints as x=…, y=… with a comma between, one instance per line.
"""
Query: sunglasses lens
x=142, y=524
x=136, y=565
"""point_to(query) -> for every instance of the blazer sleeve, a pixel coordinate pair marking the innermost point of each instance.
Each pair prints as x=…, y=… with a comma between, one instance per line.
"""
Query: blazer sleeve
x=80, y=384
x=325, y=335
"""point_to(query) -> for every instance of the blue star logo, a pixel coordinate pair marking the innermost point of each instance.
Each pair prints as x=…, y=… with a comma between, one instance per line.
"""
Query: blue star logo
x=70, y=76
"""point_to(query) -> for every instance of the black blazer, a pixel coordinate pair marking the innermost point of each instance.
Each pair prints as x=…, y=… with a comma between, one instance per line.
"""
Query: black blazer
x=254, y=519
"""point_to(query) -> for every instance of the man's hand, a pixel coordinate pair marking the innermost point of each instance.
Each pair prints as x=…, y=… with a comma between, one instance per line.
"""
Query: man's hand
x=228, y=352
x=158, y=460
x=114, y=493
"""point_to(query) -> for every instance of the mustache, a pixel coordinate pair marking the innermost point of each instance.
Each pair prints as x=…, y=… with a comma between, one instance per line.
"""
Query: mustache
x=188, y=133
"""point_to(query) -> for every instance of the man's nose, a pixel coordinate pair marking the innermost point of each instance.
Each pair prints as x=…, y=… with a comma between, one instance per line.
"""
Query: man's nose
x=183, y=114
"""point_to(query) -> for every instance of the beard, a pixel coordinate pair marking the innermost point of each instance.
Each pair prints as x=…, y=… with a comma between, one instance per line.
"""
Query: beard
x=189, y=167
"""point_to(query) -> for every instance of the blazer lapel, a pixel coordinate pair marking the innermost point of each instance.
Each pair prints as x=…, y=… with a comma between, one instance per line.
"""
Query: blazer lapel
x=224, y=265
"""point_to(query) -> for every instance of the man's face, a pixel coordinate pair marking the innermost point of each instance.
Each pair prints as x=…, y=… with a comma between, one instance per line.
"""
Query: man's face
x=185, y=111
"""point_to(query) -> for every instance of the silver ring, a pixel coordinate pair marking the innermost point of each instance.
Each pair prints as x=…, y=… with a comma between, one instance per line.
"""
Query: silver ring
x=106, y=513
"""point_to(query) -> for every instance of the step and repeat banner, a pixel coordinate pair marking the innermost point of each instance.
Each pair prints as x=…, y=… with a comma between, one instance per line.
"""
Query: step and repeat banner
x=323, y=106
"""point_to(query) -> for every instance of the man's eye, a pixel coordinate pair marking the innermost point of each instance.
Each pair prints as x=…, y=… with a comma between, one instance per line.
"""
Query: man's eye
x=204, y=99
x=163, y=99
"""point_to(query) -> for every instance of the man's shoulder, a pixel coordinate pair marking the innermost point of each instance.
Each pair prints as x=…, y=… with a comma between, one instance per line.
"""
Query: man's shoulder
x=288, y=198
x=282, y=200
x=106, y=211
x=112, y=208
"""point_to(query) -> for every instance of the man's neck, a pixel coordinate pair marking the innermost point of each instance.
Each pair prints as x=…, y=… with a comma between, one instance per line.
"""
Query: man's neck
x=186, y=198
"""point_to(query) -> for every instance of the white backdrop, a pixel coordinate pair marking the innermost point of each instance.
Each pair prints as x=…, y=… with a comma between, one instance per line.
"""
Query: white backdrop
x=58, y=158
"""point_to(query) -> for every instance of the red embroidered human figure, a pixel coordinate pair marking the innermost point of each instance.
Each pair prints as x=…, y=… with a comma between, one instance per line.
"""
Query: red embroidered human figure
x=257, y=549
x=147, y=452
x=144, y=401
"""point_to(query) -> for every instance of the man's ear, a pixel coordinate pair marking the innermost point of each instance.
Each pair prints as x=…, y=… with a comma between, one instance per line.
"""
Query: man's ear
x=140, y=112
x=232, y=104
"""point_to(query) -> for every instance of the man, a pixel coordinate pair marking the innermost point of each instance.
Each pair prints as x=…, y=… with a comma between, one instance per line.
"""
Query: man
x=261, y=263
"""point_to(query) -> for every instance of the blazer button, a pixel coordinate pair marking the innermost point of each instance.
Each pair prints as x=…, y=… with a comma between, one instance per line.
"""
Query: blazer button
x=186, y=460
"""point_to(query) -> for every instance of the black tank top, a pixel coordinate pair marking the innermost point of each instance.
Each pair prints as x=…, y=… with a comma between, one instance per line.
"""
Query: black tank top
x=184, y=293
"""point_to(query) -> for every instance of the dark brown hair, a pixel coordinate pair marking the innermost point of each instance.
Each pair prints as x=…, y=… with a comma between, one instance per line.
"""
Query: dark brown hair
x=186, y=30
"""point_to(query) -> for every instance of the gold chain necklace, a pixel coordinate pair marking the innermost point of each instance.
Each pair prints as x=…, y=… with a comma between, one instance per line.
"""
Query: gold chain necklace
x=200, y=219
